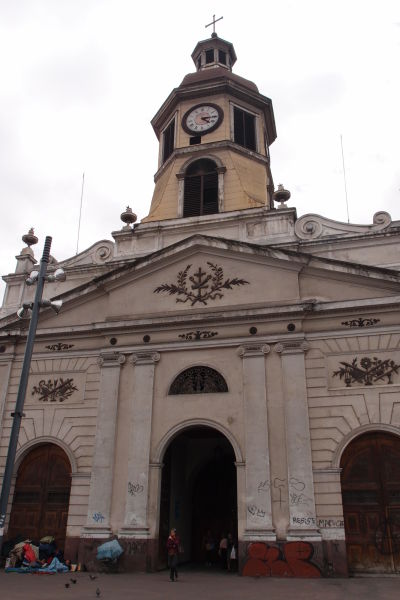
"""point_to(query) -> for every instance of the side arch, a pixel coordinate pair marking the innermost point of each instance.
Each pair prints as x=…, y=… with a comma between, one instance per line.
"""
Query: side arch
x=177, y=429
x=194, y=159
x=370, y=428
x=46, y=439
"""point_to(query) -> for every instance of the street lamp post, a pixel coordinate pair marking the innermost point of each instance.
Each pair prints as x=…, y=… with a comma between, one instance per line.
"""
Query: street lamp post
x=19, y=406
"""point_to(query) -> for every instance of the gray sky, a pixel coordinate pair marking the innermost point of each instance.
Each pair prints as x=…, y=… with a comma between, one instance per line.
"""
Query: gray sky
x=81, y=80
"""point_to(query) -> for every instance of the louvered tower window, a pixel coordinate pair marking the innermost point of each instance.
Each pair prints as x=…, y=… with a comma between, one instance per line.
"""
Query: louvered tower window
x=201, y=189
x=245, y=128
x=168, y=140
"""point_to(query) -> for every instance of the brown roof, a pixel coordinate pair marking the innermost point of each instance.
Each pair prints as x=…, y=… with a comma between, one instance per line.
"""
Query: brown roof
x=217, y=73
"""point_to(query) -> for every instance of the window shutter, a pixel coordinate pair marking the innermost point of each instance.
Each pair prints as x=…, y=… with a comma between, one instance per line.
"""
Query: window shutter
x=192, y=196
x=238, y=126
x=168, y=135
x=249, y=126
x=210, y=193
x=244, y=128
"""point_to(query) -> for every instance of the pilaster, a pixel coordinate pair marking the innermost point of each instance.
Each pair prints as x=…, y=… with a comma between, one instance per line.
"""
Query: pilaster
x=302, y=516
x=137, y=488
x=258, y=521
x=99, y=511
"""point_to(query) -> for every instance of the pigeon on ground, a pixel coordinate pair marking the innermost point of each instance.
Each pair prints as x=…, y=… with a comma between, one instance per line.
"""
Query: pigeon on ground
x=98, y=592
x=73, y=580
x=67, y=585
x=92, y=577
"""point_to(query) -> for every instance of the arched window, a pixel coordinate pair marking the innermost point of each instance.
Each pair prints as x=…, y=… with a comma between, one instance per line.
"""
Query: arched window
x=201, y=189
x=198, y=380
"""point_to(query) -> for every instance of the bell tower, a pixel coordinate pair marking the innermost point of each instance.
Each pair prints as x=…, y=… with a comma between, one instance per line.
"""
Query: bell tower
x=214, y=133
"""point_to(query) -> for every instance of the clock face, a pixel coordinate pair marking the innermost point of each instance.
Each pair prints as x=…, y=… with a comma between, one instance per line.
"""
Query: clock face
x=202, y=118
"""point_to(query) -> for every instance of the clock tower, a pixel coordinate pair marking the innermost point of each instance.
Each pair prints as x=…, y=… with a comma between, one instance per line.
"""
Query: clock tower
x=214, y=130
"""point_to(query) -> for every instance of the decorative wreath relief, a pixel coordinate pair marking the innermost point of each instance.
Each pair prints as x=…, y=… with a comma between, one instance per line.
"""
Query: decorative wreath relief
x=53, y=390
x=203, y=286
x=368, y=372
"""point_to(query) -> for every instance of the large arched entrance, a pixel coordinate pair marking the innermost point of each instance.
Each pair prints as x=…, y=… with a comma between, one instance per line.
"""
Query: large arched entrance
x=41, y=497
x=198, y=491
x=371, y=503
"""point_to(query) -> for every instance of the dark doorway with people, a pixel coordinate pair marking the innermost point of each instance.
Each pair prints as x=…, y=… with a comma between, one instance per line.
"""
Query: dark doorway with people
x=198, y=495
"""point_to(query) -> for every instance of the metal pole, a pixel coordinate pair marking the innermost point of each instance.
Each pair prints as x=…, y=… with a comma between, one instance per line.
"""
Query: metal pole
x=19, y=405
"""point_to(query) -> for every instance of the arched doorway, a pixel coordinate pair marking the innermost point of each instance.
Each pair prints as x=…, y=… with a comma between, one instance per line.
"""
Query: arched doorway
x=371, y=503
x=41, y=496
x=198, y=491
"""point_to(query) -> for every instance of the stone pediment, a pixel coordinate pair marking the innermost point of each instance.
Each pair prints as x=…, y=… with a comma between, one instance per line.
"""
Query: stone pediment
x=205, y=275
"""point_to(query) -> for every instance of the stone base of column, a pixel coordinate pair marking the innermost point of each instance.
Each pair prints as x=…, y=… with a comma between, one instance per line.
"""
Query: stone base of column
x=91, y=531
x=134, y=532
x=259, y=535
x=295, y=534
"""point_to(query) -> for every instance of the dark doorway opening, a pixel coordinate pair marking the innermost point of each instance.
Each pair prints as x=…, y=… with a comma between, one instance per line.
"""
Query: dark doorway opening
x=198, y=492
x=371, y=503
x=41, y=496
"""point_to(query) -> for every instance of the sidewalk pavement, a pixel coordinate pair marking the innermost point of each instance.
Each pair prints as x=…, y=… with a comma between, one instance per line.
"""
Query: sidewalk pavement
x=192, y=585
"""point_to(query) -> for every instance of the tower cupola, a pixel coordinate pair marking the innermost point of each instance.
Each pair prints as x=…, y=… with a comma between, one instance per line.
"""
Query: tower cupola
x=214, y=52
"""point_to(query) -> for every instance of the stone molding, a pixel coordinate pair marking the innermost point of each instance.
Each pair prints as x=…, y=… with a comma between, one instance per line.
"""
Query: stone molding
x=312, y=226
x=292, y=347
x=249, y=350
x=111, y=359
x=144, y=358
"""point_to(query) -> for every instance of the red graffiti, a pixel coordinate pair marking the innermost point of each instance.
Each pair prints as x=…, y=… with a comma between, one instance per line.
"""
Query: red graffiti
x=267, y=561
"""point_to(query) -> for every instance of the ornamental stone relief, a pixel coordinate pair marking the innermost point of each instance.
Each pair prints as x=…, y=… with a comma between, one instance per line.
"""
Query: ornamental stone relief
x=56, y=387
x=200, y=286
x=360, y=322
x=367, y=371
x=54, y=390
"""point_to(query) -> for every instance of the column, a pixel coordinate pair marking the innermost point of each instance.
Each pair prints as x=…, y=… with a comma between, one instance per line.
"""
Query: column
x=221, y=172
x=99, y=511
x=258, y=523
x=302, y=517
x=136, y=506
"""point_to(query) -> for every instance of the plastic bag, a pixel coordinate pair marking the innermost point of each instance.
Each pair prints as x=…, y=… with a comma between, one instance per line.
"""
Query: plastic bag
x=109, y=551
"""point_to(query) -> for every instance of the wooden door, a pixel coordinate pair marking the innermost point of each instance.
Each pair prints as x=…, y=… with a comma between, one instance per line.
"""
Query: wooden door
x=41, y=497
x=371, y=503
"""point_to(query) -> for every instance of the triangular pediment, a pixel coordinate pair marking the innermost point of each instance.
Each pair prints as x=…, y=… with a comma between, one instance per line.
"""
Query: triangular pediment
x=206, y=274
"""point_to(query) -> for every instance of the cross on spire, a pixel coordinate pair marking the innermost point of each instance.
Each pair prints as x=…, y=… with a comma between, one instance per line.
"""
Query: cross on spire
x=213, y=24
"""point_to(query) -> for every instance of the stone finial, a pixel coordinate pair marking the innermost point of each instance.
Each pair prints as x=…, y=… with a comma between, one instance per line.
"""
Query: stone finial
x=30, y=238
x=26, y=258
x=281, y=195
x=128, y=217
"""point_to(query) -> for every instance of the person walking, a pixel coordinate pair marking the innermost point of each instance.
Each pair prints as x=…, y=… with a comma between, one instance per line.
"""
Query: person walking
x=223, y=551
x=173, y=544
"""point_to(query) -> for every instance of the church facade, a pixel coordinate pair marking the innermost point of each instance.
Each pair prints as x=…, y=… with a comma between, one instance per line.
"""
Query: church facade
x=223, y=366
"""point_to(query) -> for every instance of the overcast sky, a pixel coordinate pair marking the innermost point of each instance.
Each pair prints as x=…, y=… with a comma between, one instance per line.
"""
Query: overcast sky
x=81, y=80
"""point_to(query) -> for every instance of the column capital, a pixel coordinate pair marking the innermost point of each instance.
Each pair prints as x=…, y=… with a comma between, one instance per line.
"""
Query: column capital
x=144, y=358
x=158, y=465
x=292, y=347
x=111, y=359
x=248, y=350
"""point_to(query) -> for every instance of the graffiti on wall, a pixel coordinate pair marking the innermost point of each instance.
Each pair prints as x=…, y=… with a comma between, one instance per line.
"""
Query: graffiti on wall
x=294, y=559
x=135, y=488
